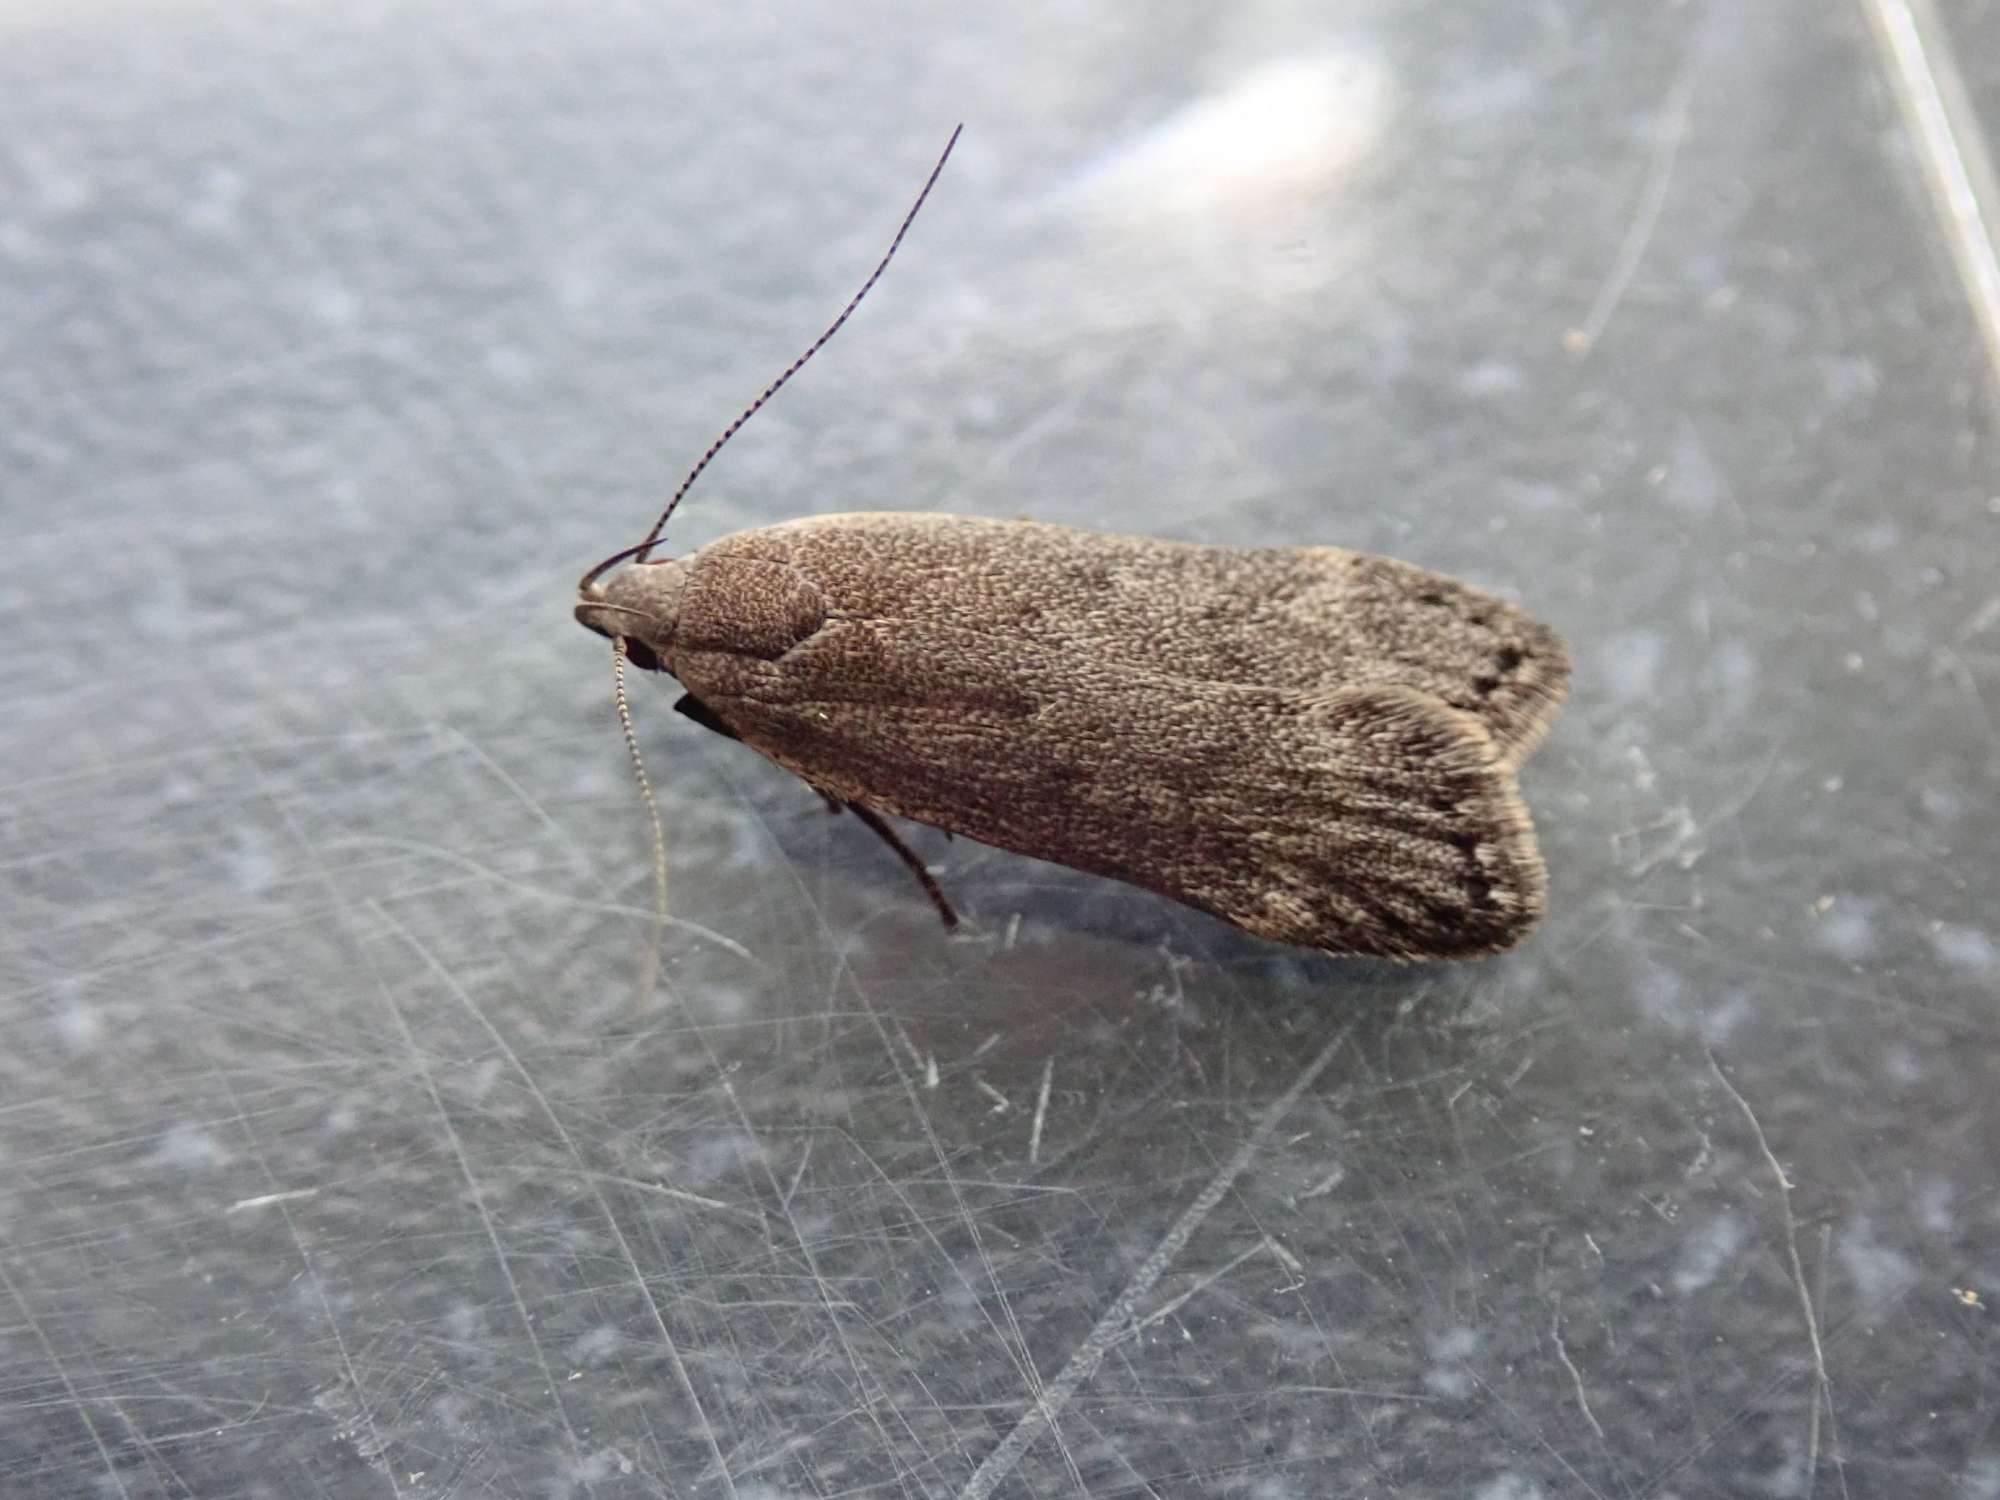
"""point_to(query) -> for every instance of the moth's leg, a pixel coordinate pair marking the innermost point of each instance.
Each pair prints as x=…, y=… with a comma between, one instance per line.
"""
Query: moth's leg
x=907, y=855
x=703, y=715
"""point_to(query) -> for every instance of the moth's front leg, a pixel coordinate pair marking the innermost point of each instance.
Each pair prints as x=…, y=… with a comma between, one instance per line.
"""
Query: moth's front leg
x=904, y=852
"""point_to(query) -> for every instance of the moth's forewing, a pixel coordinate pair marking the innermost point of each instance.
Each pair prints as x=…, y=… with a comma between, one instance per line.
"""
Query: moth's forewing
x=960, y=675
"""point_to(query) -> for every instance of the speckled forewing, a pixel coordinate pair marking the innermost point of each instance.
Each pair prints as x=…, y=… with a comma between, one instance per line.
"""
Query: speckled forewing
x=1305, y=619
x=1367, y=820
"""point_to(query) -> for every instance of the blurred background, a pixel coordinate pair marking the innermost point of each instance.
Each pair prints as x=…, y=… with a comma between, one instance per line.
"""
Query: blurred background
x=344, y=1150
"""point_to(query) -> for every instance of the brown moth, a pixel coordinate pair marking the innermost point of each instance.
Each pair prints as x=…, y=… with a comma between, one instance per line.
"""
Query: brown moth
x=1318, y=746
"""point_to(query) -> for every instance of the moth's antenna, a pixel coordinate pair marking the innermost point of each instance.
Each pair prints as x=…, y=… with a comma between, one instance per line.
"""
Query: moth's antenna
x=798, y=364
x=652, y=807
x=583, y=585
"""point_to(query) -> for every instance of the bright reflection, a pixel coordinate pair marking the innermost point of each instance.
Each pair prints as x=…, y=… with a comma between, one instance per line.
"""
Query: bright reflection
x=1287, y=132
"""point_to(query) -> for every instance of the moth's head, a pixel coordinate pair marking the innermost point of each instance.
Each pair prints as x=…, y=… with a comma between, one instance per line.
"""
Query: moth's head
x=641, y=603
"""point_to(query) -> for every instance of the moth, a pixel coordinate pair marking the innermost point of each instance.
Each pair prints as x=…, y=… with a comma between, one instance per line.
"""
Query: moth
x=1316, y=745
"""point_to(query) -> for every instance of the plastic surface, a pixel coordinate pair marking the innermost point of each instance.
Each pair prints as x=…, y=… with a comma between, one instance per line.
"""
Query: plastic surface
x=343, y=1151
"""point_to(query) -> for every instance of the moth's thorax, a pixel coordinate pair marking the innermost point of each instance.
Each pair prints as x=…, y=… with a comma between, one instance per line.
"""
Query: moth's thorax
x=642, y=603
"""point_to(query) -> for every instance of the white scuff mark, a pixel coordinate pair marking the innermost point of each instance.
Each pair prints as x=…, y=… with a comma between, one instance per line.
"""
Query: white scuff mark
x=1575, y=1375
x=1325, y=1185
x=1679, y=841
x=919, y=1059
x=1172, y=996
x=1285, y=1257
x=1041, y=1112
x=1701, y=1158
x=265, y=1200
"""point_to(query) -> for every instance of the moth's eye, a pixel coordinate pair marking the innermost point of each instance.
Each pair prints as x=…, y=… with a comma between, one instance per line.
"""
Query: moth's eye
x=641, y=655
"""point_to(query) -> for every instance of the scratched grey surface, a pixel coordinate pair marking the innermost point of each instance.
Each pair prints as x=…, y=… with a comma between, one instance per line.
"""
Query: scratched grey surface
x=341, y=1153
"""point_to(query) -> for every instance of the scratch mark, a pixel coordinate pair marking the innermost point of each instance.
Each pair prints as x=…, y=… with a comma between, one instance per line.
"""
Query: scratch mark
x=924, y=1062
x=1117, y=1319
x=1174, y=1304
x=1370, y=1392
x=1535, y=1432
x=377, y=1445
x=920, y=1222
x=344, y=907
x=1575, y=1375
x=296, y=1195
x=1285, y=1257
x=1639, y=234
x=667, y=1343
x=1823, y=1386
x=1017, y=1350
x=1950, y=140
x=1041, y=1112
x=560, y=834
x=1682, y=832
x=1330, y=1181
x=1001, y=1103
x=62, y=1374
x=748, y=806
x=868, y=1390
x=472, y=1186
x=555, y=898
x=792, y=1188
x=870, y=1401
x=682, y=1195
